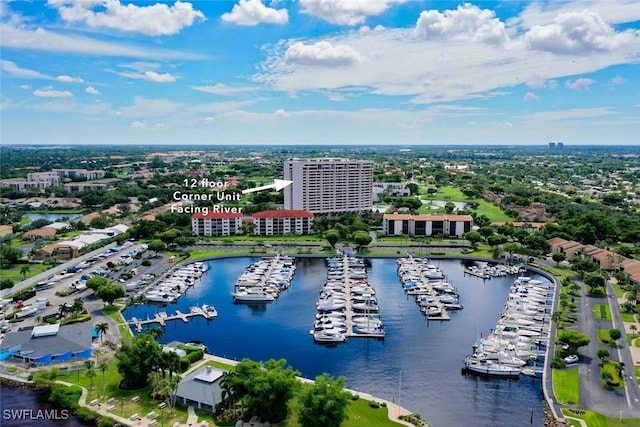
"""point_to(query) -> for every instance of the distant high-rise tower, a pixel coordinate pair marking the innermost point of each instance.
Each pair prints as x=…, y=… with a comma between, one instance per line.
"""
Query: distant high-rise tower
x=560, y=145
x=552, y=146
x=329, y=185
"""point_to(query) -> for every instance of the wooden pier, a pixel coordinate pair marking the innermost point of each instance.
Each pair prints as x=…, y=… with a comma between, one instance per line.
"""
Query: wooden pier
x=349, y=309
x=162, y=317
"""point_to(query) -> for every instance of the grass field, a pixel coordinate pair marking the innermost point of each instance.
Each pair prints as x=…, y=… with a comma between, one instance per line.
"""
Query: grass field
x=593, y=419
x=491, y=211
x=602, y=311
x=566, y=386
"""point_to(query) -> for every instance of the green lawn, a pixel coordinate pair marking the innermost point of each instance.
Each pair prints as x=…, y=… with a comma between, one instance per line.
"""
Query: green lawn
x=603, y=336
x=618, y=290
x=114, y=313
x=610, y=367
x=602, y=311
x=493, y=212
x=566, y=386
x=593, y=419
x=628, y=317
x=360, y=414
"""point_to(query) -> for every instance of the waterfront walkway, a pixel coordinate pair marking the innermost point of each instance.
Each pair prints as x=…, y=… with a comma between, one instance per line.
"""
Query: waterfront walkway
x=155, y=418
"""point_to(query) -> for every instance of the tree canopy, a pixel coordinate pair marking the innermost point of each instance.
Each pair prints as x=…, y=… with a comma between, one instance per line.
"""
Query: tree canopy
x=325, y=403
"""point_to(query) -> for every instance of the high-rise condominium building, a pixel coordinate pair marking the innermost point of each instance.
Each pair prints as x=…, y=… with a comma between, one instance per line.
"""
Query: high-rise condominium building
x=329, y=185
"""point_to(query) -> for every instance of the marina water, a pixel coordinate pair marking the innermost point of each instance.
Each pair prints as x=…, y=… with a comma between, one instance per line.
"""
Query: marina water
x=418, y=364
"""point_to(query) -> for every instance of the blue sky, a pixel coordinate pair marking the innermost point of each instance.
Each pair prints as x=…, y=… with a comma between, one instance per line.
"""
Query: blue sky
x=320, y=72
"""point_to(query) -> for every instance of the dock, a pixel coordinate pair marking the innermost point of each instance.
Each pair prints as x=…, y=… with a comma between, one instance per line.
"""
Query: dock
x=349, y=308
x=162, y=317
x=416, y=269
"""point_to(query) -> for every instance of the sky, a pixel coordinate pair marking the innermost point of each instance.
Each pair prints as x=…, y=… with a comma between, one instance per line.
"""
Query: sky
x=364, y=72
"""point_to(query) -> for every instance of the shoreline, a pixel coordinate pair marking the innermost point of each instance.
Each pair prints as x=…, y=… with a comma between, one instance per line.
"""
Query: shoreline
x=394, y=411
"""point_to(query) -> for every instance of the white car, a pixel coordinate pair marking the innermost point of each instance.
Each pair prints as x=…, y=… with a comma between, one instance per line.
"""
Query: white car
x=572, y=358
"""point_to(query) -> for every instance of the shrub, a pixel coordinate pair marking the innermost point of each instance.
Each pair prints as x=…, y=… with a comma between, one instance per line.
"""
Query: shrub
x=107, y=422
x=374, y=404
x=86, y=415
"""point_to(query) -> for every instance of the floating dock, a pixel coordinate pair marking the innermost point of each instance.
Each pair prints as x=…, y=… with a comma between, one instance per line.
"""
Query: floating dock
x=162, y=317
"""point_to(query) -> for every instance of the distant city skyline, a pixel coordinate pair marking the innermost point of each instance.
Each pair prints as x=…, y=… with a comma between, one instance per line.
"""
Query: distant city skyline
x=319, y=72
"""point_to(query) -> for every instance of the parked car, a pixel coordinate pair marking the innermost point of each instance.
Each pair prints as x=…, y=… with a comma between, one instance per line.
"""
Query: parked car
x=572, y=358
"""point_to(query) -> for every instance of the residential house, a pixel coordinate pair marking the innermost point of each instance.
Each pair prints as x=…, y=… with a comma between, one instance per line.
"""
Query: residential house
x=46, y=233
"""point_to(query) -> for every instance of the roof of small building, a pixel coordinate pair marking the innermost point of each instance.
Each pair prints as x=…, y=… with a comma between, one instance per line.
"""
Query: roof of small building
x=40, y=232
x=202, y=385
x=557, y=241
x=69, y=338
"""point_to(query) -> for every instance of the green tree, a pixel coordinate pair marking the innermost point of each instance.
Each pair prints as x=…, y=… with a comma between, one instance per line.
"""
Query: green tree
x=90, y=372
x=136, y=359
x=325, y=403
x=603, y=354
x=110, y=292
x=558, y=257
x=156, y=246
x=24, y=270
x=615, y=335
x=103, y=366
x=6, y=284
x=573, y=338
x=361, y=238
x=264, y=387
x=95, y=282
x=155, y=332
x=102, y=329
x=474, y=237
x=332, y=237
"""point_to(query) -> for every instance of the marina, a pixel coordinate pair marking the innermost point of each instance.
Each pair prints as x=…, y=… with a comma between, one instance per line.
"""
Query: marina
x=347, y=305
x=173, y=284
x=263, y=280
x=485, y=270
x=518, y=342
x=427, y=355
x=426, y=282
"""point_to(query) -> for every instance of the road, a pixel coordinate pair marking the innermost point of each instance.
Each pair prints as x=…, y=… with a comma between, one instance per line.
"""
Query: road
x=625, y=401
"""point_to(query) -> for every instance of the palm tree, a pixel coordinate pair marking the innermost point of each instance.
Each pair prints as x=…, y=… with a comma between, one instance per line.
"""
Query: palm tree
x=77, y=306
x=89, y=365
x=102, y=328
x=64, y=309
x=102, y=367
x=172, y=388
x=155, y=382
x=155, y=332
x=24, y=270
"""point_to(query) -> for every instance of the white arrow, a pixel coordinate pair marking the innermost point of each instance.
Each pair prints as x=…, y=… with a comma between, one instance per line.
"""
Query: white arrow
x=278, y=184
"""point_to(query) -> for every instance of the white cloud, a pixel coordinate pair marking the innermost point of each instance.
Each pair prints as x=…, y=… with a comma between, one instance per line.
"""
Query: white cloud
x=154, y=20
x=48, y=41
x=322, y=54
x=530, y=96
x=571, y=114
x=222, y=89
x=92, y=91
x=579, y=32
x=25, y=87
x=139, y=125
x=580, y=83
x=466, y=23
x=69, y=79
x=618, y=80
x=144, y=107
x=49, y=92
x=346, y=12
x=253, y=12
x=150, y=76
x=13, y=69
